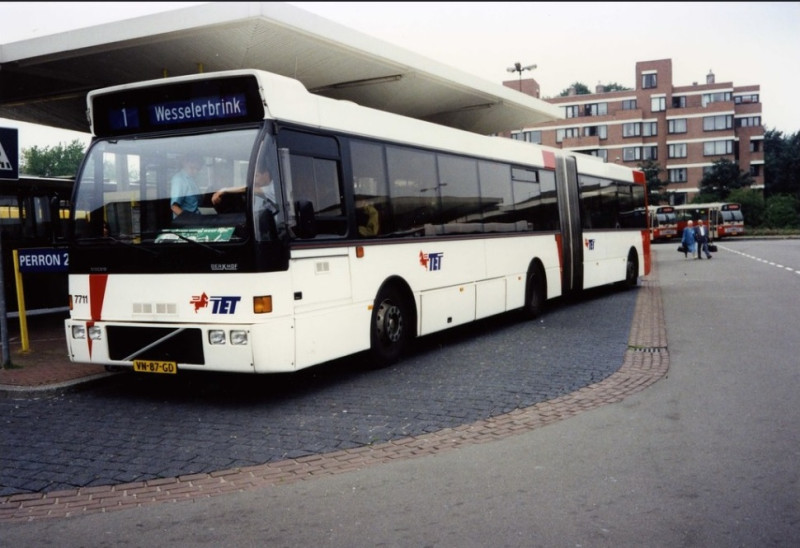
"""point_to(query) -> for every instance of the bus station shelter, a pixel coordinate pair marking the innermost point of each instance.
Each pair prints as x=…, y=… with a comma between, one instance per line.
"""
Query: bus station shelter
x=45, y=79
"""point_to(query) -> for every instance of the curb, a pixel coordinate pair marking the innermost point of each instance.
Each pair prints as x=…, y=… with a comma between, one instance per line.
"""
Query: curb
x=8, y=391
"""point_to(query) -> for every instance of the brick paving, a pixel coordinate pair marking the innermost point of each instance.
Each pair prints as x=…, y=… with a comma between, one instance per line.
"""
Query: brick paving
x=645, y=362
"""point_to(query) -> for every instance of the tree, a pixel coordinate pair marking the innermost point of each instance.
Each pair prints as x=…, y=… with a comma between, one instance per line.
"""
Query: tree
x=723, y=177
x=781, y=163
x=583, y=89
x=580, y=89
x=781, y=212
x=656, y=188
x=615, y=87
x=60, y=161
x=753, y=206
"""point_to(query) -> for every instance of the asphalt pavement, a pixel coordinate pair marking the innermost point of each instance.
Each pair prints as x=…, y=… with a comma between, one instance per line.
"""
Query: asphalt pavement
x=691, y=444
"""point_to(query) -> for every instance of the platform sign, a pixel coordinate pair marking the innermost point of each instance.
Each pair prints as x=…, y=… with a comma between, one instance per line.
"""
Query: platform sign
x=9, y=153
x=43, y=259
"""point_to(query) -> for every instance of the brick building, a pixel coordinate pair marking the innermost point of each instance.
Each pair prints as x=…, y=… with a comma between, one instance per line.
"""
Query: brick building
x=682, y=128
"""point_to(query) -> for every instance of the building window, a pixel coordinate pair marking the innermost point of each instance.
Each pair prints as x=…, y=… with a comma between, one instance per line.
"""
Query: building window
x=679, y=101
x=630, y=154
x=677, y=151
x=650, y=153
x=658, y=104
x=649, y=80
x=748, y=121
x=568, y=133
x=676, y=126
x=534, y=136
x=600, y=153
x=596, y=131
x=677, y=175
x=596, y=109
x=755, y=171
x=629, y=104
x=709, y=98
x=631, y=129
x=739, y=99
x=717, y=123
x=755, y=146
x=571, y=111
x=649, y=129
x=717, y=148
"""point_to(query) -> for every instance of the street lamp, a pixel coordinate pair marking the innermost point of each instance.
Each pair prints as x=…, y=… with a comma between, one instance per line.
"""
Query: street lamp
x=519, y=68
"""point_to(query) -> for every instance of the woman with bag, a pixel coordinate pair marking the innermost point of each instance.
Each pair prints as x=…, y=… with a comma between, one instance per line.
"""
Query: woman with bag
x=687, y=240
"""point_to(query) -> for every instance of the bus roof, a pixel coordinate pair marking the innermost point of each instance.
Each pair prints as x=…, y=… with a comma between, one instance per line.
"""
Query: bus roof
x=52, y=74
x=288, y=101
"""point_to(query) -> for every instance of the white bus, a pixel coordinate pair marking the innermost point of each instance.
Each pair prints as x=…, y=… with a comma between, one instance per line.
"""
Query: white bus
x=384, y=228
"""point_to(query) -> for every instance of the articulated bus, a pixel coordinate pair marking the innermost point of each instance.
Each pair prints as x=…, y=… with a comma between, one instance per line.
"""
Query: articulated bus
x=723, y=219
x=663, y=223
x=31, y=210
x=374, y=230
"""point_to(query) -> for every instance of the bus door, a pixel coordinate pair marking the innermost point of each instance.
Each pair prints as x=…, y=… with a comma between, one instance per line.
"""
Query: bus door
x=571, y=233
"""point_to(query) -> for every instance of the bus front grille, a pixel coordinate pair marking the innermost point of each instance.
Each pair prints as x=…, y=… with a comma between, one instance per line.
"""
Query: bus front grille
x=175, y=344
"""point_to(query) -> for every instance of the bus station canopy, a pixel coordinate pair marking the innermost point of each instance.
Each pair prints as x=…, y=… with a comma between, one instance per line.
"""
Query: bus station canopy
x=45, y=80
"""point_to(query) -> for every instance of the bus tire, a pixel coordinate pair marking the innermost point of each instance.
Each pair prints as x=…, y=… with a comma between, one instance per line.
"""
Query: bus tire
x=390, y=328
x=632, y=270
x=535, y=293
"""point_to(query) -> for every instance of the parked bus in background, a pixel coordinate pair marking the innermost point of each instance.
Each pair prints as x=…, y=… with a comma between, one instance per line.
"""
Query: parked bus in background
x=724, y=219
x=30, y=212
x=663, y=223
x=348, y=229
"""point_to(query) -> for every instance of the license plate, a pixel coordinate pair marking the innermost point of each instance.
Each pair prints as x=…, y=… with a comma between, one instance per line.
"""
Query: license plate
x=155, y=366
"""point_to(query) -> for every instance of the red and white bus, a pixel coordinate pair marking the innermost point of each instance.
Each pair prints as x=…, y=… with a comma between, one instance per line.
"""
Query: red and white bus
x=663, y=223
x=383, y=228
x=724, y=219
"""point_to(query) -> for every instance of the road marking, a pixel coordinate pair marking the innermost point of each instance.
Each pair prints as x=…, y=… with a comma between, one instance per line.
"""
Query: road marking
x=760, y=260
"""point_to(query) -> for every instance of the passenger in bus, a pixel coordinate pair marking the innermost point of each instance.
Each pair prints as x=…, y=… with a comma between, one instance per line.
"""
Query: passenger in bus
x=687, y=240
x=184, y=192
x=367, y=218
x=701, y=236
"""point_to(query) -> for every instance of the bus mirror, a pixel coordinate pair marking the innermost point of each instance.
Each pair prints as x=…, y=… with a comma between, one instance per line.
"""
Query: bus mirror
x=306, y=223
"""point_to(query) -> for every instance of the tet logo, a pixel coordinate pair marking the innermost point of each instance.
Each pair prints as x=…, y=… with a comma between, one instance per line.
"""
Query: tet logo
x=588, y=243
x=431, y=261
x=219, y=305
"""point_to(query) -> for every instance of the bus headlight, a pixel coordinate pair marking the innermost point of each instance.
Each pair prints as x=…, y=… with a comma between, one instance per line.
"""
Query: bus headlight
x=238, y=337
x=78, y=332
x=216, y=336
x=95, y=333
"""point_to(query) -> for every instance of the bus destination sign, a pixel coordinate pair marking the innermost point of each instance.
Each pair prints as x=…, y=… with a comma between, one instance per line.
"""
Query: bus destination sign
x=217, y=101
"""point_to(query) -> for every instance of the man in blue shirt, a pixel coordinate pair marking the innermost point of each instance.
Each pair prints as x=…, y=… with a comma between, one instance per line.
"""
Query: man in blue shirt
x=184, y=193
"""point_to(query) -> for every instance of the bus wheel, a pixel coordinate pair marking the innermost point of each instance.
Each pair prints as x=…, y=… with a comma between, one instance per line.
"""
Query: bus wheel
x=535, y=294
x=632, y=270
x=390, y=327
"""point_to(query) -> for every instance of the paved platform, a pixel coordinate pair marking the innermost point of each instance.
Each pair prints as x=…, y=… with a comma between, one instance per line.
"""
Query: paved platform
x=46, y=368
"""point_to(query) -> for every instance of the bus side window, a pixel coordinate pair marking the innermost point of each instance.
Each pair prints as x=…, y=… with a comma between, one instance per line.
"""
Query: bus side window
x=316, y=181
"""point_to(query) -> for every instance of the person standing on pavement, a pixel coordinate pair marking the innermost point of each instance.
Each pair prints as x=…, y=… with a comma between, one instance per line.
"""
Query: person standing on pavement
x=701, y=237
x=687, y=240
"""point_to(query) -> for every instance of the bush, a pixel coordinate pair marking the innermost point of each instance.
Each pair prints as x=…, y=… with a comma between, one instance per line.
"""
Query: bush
x=781, y=212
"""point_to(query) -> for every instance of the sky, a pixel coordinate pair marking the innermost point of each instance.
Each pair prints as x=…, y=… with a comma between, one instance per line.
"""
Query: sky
x=745, y=43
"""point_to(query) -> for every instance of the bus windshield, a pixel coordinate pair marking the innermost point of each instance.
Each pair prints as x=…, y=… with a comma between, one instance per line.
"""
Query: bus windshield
x=172, y=189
